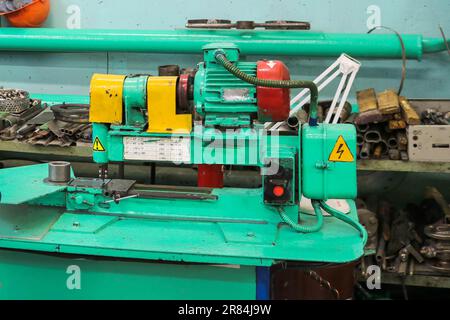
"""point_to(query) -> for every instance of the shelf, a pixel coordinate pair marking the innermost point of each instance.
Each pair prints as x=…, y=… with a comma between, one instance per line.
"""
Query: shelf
x=403, y=166
x=414, y=280
x=22, y=150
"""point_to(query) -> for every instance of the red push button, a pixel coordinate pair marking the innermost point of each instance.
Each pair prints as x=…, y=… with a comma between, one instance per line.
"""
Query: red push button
x=278, y=191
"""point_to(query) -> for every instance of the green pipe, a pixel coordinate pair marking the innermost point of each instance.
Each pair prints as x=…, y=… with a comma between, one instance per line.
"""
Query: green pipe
x=301, y=228
x=260, y=42
x=221, y=58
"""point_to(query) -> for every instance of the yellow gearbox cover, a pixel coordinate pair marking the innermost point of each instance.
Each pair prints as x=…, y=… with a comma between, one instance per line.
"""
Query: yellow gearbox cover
x=162, y=107
x=106, y=98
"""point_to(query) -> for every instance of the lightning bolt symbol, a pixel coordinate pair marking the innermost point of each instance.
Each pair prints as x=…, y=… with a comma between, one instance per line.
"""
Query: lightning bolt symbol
x=341, y=152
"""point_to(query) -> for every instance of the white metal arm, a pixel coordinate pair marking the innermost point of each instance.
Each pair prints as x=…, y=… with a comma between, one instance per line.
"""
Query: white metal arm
x=345, y=65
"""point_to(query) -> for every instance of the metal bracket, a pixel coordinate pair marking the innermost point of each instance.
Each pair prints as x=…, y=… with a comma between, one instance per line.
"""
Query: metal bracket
x=345, y=65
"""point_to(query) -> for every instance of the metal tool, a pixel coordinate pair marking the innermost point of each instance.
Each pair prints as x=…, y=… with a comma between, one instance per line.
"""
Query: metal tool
x=227, y=24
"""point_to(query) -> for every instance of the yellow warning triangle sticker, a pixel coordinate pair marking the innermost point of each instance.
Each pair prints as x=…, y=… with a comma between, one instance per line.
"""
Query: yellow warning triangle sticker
x=97, y=146
x=341, y=152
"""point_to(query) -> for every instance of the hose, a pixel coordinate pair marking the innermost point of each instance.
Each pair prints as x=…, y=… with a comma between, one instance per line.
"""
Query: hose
x=318, y=205
x=304, y=229
x=341, y=216
x=221, y=58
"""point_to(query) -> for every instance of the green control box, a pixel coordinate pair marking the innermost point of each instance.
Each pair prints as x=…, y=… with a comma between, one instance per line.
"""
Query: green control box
x=329, y=161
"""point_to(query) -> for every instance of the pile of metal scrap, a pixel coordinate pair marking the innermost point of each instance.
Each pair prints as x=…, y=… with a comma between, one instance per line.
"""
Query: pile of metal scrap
x=382, y=123
x=27, y=120
x=413, y=240
x=434, y=117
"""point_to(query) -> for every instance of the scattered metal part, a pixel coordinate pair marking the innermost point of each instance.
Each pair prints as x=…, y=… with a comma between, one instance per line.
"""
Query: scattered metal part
x=394, y=154
x=404, y=156
x=397, y=124
x=438, y=248
x=25, y=130
x=359, y=139
x=436, y=195
x=373, y=135
x=344, y=115
x=248, y=25
x=299, y=118
x=414, y=253
x=365, y=118
x=20, y=118
x=14, y=100
x=434, y=117
x=378, y=151
x=362, y=127
x=392, y=142
x=351, y=118
x=365, y=151
x=402, y=140
x=59, y=172
x=72, y=113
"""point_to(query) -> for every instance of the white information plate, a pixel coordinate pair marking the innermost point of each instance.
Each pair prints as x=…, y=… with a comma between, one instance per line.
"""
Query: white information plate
x=176, y=149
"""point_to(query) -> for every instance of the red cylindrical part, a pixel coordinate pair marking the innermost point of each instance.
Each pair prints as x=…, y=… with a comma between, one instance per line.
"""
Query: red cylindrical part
x=273, y=103
x=210, y=175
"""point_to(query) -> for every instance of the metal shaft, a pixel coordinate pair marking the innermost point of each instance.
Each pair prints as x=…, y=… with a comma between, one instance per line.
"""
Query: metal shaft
x=267, y=42
x=59, y=172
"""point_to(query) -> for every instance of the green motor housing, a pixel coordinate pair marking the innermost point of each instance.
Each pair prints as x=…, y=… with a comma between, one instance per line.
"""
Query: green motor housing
x=220, y=98
x=329, y=161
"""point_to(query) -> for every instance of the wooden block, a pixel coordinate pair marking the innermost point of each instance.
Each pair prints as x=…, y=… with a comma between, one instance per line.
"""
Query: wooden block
x=388, y=102
x=367, y=100
x=397, y=124
x=409, y=114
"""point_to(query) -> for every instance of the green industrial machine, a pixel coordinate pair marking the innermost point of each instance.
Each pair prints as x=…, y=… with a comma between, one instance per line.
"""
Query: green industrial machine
x=64, y=236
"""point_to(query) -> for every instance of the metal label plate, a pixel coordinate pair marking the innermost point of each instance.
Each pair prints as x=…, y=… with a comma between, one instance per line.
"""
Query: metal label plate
x=175, y=149
x=429, y=143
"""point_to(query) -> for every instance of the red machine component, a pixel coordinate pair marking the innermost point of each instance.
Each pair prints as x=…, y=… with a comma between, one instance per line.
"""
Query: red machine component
x=278, y=191
x=32, y=15
x=273, y=103
x=183, y=93
x=210, y=175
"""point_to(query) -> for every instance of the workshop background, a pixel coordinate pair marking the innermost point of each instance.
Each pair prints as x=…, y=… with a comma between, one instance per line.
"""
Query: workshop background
x=70, y=73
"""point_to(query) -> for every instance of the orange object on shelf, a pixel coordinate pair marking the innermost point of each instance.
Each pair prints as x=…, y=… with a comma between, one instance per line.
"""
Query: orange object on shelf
x=32, y=15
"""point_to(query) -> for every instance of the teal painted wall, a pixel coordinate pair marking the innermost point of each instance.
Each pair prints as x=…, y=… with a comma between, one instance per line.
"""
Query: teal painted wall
x=70, y=73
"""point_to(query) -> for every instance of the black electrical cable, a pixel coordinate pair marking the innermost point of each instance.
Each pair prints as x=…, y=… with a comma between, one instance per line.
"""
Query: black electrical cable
x=234, y=70
x=445, y=39
x=399, y=36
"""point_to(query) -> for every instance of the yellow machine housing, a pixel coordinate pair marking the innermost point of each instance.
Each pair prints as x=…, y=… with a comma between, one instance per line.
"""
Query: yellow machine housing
x=106, y=99
x=162, y=107
x=108, y=104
